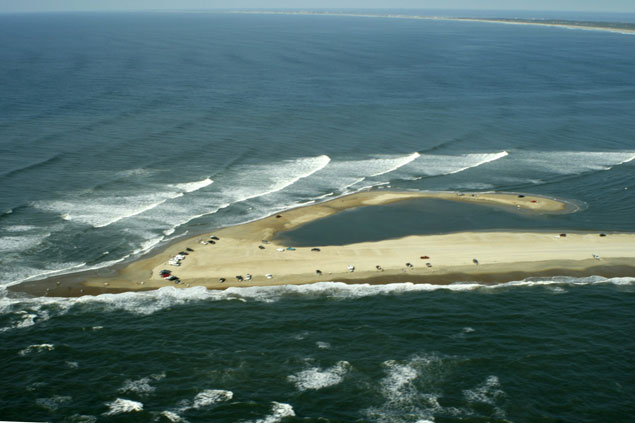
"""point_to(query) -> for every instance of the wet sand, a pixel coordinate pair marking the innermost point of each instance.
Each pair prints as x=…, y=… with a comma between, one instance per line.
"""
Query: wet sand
x=487, y=257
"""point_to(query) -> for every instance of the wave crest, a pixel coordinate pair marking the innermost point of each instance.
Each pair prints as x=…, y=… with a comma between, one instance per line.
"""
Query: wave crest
x=25, y=312
x=316, y=378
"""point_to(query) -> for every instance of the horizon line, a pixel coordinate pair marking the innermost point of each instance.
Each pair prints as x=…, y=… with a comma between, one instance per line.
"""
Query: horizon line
x=212, y=9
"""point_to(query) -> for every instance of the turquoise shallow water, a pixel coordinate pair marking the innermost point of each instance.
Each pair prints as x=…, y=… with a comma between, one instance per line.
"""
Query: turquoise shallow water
x=122, y=132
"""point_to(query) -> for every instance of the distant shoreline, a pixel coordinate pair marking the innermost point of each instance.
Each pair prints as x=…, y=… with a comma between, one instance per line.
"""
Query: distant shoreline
x=615, y=27
x=250, y=251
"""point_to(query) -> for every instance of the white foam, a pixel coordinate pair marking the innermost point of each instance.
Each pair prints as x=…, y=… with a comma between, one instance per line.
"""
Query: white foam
x=300, y=336
x=570, y=162
x=140, y=386
x=148, y=245
x=104, y=209
x=340, y=175
x=437, y=165
x=205, y=399
x=172, y=416
x=36, y=348
x=398, y=383
x=279, y=411
x=211, y=396
x=337, y=290
x=53, y=403
x=489, y=393
x=126, y=174
x=320, y=197
x=193, y=186
x=401, y=389
x=26, y=312
x=626, y=160
x=393, y=164
x=285, y=174
x=25, y=320
x=323, y=345
x=120, y=406
x=316, y=378
x=29, y=273
x=557, y=290
x=480, y=159
x=242, y=183
x=20, y=243
x=20, y=228
x=463, y=333
x=472, y=186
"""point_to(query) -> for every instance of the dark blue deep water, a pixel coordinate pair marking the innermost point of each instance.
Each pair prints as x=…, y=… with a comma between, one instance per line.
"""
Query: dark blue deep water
x=121, y=132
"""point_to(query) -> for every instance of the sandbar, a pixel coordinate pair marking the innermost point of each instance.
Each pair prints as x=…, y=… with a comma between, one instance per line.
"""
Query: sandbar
x=250, y=249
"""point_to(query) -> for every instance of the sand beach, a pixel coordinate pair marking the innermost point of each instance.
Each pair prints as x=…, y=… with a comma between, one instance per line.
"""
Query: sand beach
x=615, y=27
x=248, y=254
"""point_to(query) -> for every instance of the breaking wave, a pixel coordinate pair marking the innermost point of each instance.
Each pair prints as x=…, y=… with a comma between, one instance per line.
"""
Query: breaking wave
x=20, y=243
x=342, y=174
x=402, y=388
x=193, y=186
x=36, y=348
x=438, y=165
x=399, y=163
x=53, y=403
x=25, y=312
x=100, y=210
x=272, y=187
x=316, y=378
x=279, y=411
x=210, y=397
x=203, y=399
x=538, y=163
x=141, y=386
x=30, y=273
x=120, y=406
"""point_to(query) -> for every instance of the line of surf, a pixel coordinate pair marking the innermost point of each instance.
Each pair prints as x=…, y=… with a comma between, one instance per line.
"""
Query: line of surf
x=488, y=159
x=344, y=171
x=149, y=302
x=123, y=206
x=48, y=273
x=401, y=163
x=626, y=161
x=183, y=188
x=134, y=213
x=189, y=187
x=321, y=163
x=574, y=162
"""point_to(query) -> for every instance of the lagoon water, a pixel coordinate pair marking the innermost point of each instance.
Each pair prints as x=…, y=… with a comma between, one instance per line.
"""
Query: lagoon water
x=120, y=132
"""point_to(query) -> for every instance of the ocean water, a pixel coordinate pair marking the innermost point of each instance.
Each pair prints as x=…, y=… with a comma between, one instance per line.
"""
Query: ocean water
x=121, y=132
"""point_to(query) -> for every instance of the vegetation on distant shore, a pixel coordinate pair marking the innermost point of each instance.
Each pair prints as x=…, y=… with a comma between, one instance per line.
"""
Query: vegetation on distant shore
x=597, y=25
x=559, y=22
